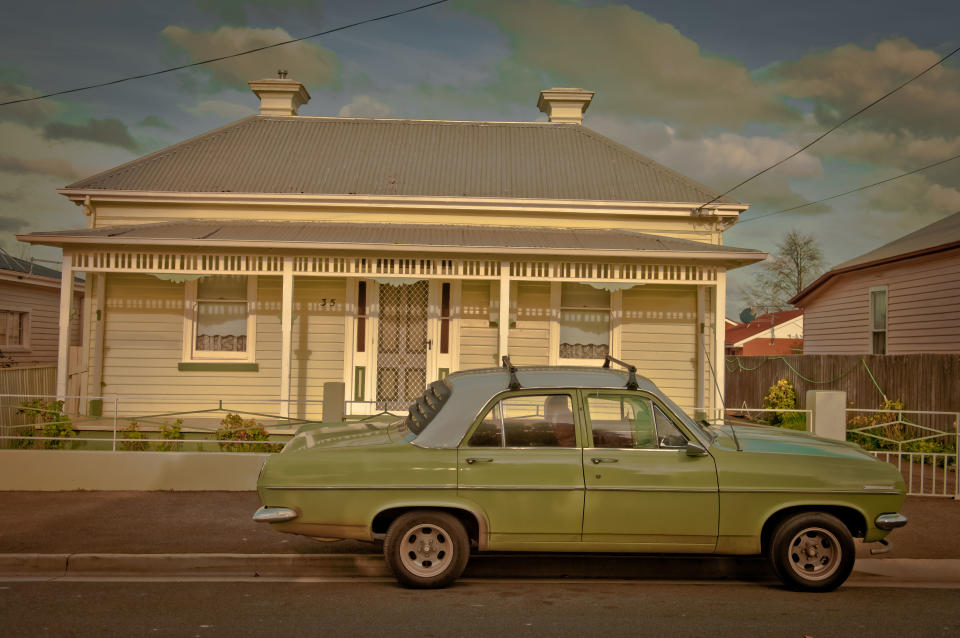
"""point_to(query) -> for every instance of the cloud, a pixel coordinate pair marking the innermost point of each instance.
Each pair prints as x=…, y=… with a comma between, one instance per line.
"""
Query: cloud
x=154, y=121
x=32, y=113
x=49, y=166
x=111, y=132
x=720, y=161
x=637, y=65
x=843, y=80
x=236, y=12
x=365, y=106
x=309, y=63
x=220, y=108
x=11, y=224
x=916, y=196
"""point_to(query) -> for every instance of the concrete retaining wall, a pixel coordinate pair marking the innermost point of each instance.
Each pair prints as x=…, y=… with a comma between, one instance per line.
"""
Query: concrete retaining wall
x=57, y=470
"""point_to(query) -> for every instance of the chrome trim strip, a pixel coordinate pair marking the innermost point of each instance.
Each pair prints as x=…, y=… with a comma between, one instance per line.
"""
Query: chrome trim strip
x=274, y=514
x=515, y=488
x=890, y=521
x=360, y=487
x=706, y=490
x=753, y=490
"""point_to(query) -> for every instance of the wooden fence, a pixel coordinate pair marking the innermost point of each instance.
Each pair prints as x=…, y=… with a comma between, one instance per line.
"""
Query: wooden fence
x=22, y=381
x=921, y=381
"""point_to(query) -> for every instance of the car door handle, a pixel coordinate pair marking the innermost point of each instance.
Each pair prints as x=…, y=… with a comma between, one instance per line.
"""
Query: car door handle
x=602, y=459
x=473, y=460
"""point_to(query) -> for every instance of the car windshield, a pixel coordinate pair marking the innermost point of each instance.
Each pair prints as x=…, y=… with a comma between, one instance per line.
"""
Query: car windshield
x=427, y=406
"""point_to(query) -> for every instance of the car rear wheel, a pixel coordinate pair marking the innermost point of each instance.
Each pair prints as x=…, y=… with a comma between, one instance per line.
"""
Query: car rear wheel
x=426, y=550
x=812, y=551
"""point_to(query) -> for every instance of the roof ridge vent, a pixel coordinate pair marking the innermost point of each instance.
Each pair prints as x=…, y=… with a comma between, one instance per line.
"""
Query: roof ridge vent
x=565, y=105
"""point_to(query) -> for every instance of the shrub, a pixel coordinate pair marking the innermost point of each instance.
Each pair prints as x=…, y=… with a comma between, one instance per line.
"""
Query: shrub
x=55, y=424
x=893, y=431
x=780, y=396
x=172, y=436
x=131, y=439
x=234, y=428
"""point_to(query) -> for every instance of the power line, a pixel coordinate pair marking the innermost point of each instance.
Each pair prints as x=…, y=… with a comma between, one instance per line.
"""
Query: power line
x=828, y=132
x=884, y=181
x=224, y=57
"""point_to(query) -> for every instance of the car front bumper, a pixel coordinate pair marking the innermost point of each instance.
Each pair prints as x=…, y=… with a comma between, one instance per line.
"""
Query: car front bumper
x=890, y=521
x=275, y=514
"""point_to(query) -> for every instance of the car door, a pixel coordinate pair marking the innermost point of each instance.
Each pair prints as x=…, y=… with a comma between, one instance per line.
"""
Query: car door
x=642, y=489
x=522, y=465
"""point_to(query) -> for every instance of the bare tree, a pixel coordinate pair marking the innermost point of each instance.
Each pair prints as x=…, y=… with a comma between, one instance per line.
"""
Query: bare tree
x=795, y=264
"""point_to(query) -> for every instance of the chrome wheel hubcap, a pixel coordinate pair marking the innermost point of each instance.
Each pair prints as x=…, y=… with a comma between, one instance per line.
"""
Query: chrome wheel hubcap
x=814, y=554
x=426, y=550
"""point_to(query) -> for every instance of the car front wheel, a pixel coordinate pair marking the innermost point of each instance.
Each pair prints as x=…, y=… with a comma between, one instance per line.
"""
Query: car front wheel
x=812, y=551
x=426, y=550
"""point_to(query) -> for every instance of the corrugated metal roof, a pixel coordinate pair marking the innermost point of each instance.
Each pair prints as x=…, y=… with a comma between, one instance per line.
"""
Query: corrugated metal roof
x=15, y=264
x=939, y=235
x=945, y=231
x=733, y=334
x=346, y=156
x=434, y=236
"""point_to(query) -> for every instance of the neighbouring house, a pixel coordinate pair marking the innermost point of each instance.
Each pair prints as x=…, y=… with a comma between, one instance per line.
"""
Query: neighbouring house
x=256, y=262
x=901, y=298
x=770, y=334
x=30, y=312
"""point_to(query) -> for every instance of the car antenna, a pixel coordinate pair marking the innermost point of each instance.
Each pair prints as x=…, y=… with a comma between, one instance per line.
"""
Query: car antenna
x=723, y=403
x=632, y=381
x=514, y=382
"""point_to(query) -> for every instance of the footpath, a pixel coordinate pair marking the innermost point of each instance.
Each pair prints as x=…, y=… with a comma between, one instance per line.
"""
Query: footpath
x=211, y=535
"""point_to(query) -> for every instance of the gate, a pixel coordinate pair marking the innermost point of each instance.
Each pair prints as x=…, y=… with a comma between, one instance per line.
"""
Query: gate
x=402, y=344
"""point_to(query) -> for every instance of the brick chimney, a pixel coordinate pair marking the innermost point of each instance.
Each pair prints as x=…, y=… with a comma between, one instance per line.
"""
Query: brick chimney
x=563, y=105
x=280, y=96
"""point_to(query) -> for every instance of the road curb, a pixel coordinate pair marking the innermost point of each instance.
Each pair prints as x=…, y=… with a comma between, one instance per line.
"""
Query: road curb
x=571, y=566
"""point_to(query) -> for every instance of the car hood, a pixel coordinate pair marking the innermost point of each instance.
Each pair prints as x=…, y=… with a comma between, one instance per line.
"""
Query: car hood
x=347, y=434
x=765, y=438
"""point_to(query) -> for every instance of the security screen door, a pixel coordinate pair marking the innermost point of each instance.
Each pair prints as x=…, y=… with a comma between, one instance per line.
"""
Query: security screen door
x=402, y=344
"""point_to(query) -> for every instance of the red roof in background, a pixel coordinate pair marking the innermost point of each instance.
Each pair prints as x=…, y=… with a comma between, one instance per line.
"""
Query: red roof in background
x=743, y=331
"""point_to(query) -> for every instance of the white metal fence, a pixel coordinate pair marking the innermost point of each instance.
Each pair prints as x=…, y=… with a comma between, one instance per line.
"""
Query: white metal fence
x=924, y=445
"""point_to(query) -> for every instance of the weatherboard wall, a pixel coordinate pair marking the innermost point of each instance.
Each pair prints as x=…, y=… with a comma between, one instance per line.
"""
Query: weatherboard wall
x=923, y=296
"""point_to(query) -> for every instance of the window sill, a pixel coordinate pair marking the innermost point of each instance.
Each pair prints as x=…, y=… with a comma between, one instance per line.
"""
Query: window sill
x=217, y=366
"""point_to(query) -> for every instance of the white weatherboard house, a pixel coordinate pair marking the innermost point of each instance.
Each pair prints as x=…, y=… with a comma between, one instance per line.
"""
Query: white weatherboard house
x=254, y=263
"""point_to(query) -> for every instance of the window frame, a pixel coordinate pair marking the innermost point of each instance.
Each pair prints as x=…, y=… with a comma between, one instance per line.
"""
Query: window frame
x=886, y=318
x=575, y=406
x=610, y=336
x=25, y=329
x=655, y=405
x=191, y=308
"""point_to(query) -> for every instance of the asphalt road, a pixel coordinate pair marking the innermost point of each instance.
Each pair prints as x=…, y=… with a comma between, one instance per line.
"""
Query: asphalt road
x=184, y=522
x=472, y=609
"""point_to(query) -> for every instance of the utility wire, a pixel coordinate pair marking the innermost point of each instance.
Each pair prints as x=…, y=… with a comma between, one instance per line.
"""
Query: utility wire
x=884, y=181
x=828, y=132
x=224, y=57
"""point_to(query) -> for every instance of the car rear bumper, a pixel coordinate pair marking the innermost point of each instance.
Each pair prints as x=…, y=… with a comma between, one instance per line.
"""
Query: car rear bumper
x=274, y=514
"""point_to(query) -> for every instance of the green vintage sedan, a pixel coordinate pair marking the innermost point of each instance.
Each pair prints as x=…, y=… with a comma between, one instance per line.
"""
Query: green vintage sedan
x=573, y=459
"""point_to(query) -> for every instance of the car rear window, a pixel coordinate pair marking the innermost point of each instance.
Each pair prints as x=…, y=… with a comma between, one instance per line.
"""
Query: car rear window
x=427, y=406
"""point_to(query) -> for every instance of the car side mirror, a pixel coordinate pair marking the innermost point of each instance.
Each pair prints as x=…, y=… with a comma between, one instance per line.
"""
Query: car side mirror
x=695, y=449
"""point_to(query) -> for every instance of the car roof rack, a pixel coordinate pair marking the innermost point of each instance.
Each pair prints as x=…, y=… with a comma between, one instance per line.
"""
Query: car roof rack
x=632, y=383
x=514, y=382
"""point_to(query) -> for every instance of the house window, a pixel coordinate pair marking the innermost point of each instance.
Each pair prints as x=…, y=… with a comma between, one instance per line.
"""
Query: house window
x=584, y=322
x=878, y=320
x=14, y=330
x=223, y=324
x=362, y=316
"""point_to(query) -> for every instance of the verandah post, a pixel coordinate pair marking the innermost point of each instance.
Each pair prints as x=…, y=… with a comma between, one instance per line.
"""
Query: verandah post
x=286, y=336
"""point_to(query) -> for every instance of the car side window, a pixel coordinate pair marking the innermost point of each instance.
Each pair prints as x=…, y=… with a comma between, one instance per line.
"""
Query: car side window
x=528, y=421
x=668, y=433
x=621, y=421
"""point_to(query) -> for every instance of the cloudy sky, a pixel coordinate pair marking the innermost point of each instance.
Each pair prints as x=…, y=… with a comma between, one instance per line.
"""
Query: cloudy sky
x=715, y=89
